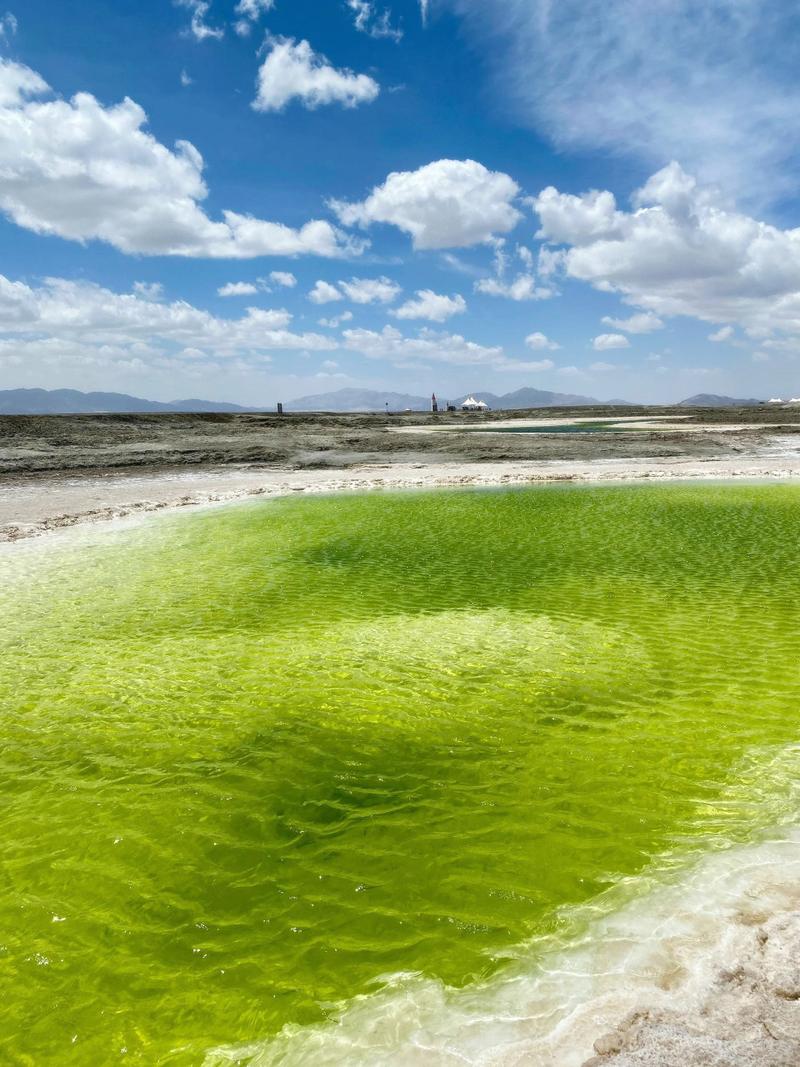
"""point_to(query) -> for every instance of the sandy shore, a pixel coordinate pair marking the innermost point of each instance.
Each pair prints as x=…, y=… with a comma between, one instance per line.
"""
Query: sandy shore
x=33, y=504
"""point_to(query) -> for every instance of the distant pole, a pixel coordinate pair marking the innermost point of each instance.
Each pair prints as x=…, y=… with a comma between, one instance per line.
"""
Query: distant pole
x=434, y=403
x=280, y=408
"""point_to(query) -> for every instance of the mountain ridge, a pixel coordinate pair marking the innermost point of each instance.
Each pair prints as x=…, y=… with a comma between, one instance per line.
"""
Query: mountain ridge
x=75, y=402
x=714, y=400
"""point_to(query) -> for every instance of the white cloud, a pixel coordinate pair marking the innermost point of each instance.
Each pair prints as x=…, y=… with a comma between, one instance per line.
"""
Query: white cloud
x=713, y=84
x=237, y=289
x=64, y=321
x=606, y=341
x=294, y=71
x=283, y=278
x=571, y=372
x=431, y=347
x=250, y=11
x=526, y=365
x=724, y=333
x=523, y=287
x=447, y=204
x=433, y=306
x=526, y=256
x=198, y=27
x=540, y=341
x=8, y=25
x=359, y=290
x=335, y=321
x=367, y=18
x=330, y=364
x=186, y=81
x=370, y=290
x=93, y=172
x=681, y=251
x=601, y=367
x=149, y=290
x=642, y=322
x=324, y=293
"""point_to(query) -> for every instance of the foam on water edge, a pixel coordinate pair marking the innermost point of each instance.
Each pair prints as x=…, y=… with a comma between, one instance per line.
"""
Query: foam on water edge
x=655, y=943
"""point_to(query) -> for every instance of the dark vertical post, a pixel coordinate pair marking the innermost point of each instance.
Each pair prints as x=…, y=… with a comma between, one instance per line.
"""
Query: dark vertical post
x=280, y=408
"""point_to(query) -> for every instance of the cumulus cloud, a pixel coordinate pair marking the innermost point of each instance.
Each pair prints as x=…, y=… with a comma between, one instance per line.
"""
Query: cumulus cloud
x=370, y=290
x=540, y=341
x=368, y=19
x=283, y=278
x=724, y=333
x=92, y=172
x=65, y=321
x=713, y=84
x=336, y=320
x=198, y=27
x=602, y=368
x=358, y=290
x=237, y=289
x=447, y=204
x=681, y=250
x=523, y=287
x=292, y=70
x=432, y=306
x=642, y=322
x=324, y=293
x=431, y=347
x=605, y=341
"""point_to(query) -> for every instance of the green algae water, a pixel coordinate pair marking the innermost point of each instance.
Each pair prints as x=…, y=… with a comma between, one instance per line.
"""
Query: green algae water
x=255, y=760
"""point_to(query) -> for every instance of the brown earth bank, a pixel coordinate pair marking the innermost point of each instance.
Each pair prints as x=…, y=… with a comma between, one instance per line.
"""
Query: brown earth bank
x=103, y=442
x=59, y=470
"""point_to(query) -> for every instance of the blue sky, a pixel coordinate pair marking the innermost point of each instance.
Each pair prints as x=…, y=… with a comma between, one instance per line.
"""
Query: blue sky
x=258, y=200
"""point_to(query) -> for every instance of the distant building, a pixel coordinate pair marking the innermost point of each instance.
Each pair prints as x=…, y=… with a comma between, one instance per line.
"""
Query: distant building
x=775, y=400
x=471, y=404
x=434, y=403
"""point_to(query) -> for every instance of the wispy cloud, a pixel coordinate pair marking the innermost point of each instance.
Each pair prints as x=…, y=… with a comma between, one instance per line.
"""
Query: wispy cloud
x=8, y=25
x=713, y=85
x=373, y=21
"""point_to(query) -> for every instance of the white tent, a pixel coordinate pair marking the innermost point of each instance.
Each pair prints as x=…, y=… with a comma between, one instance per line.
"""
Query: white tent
x=471, y=404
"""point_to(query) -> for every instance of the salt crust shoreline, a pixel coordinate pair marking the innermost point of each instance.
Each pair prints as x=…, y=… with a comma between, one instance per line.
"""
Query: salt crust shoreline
x=700, y=972
x=719, y=989
x=33, y=505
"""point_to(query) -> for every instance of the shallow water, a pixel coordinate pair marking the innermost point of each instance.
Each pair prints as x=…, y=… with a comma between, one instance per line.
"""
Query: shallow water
x=255, y=759
x=566, y=427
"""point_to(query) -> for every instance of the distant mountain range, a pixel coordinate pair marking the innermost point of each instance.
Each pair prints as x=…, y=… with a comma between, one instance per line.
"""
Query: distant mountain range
x=713, y=400
x=344, y=400
x=536, y=398
x=72, y=401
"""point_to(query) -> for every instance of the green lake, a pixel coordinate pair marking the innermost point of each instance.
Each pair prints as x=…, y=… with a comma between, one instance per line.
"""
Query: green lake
x=255, y=758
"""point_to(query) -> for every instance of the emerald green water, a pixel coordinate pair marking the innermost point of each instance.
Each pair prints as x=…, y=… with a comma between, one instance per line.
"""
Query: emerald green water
x=255, y=758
